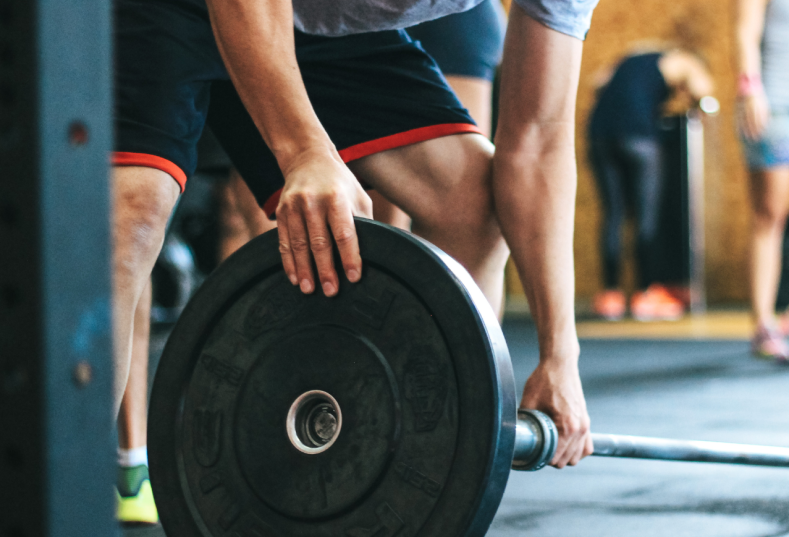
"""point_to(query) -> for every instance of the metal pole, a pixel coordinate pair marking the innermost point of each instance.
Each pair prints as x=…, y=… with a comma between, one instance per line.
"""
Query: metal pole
x=695, y=163
x=536, y=435
x=56, y=423
x=640, y=447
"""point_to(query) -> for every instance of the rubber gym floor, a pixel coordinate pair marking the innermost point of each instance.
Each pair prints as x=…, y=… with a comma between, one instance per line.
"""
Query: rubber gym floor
x=693, y=380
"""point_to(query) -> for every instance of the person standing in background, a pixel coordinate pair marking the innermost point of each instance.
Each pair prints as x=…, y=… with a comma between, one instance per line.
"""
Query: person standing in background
x=627, y=160
x=763, y=91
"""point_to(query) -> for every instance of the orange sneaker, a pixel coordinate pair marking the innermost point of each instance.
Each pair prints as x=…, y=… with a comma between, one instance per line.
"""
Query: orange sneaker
x=609, y=304
x=680, y=292
x=655, y=304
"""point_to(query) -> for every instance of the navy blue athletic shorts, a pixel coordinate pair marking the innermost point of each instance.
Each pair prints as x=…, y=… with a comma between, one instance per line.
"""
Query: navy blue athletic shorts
x=465, y=44
x=372, y=92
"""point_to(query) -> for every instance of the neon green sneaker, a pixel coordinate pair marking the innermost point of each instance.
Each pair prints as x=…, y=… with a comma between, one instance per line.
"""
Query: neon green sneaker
x=135, y=496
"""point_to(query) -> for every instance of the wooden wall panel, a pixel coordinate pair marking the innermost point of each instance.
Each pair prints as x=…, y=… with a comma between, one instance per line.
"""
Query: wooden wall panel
x=706, y=25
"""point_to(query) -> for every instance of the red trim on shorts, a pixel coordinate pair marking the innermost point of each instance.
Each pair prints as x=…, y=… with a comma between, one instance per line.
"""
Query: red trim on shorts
x=394, y=141
x=401, y=139
x=120, y=158
x=270, y=207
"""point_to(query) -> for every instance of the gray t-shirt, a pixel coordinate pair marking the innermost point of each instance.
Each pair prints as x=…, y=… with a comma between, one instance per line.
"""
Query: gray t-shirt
x=343, y=17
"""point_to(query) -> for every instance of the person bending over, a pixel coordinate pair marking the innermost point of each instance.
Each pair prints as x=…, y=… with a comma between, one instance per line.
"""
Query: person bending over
x=627, y=160
x=348, y=98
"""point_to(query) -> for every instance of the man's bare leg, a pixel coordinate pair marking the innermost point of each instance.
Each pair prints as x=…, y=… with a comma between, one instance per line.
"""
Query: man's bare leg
x=143, y=200
x=444, y=186
x=241, y=216
x=256, y=220
x=136, y=504
x=133, y=417
x=476, y=94
x=233, y=230
x=388, y=213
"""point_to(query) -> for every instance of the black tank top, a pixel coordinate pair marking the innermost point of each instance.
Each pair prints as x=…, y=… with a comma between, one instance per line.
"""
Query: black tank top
x=630, y=104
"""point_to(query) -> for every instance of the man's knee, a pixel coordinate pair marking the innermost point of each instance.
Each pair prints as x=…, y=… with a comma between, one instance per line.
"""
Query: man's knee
x=143, y=201
x=444, y=185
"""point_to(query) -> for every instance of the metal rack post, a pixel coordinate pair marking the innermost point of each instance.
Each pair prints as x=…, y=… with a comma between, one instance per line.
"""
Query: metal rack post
x=56, y=423
x=695, y=160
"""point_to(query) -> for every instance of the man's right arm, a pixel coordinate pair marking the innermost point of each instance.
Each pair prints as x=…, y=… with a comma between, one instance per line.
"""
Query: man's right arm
x=321, y=195
x=534, y=182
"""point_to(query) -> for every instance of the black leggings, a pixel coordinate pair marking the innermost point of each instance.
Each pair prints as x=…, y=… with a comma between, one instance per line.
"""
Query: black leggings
x=629, y=174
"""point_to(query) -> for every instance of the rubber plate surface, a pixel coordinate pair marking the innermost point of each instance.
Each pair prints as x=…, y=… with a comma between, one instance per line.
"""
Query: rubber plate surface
x=413, y=356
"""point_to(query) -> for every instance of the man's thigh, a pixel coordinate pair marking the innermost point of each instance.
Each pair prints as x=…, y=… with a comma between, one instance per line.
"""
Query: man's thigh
x=430, y=178
x=165, y=57
x=375, y=94
x=397, y=123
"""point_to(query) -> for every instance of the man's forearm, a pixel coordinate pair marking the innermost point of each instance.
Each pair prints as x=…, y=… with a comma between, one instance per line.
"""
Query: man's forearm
x=535, y=175
x=320, y=195
x=257, y=44
x=535, y=202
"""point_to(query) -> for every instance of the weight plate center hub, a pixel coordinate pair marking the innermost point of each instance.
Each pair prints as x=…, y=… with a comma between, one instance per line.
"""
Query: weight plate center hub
x=314, y=421
x=302, y=451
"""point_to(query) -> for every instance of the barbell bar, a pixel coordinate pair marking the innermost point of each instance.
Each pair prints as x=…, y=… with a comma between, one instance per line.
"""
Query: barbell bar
x=536, y=438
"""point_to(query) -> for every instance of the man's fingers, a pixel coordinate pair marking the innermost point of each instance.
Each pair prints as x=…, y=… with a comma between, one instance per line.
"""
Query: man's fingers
x=321, y=247
x=577, y=452
x=559, y=458
x=571, y=450
x=572, y=453
x=365, y=208
x=344, y=231
x=585, y=447
x=300, y=246
x=564, y=444
x=288, y=263
x=574, y=444
x=588, y=445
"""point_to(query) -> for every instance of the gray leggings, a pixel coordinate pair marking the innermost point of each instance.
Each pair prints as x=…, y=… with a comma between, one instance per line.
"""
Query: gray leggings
x=629, y=174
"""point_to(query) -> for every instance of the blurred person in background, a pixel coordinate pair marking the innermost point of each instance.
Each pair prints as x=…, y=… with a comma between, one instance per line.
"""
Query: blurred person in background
x=627, y=160
x=763, y=92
